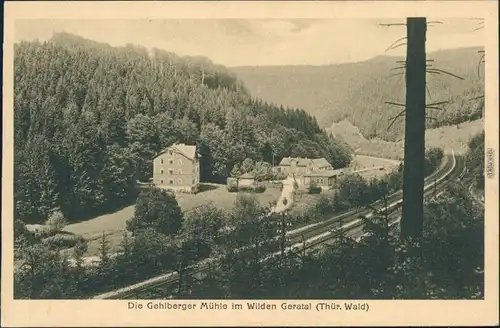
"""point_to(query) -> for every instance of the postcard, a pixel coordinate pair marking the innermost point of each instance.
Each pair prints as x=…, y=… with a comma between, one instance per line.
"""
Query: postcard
x=326, y=163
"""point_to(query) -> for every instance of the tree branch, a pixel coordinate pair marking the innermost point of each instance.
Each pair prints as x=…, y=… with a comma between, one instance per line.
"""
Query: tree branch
x=437, y=70
x=402, y=113
x=394, y=43
x=438, y=103
x=397, y=46
x=478, y=97
x=404, y=61
x=396, y=74
x=479, y=66
x=395, y=24
x=395, y=104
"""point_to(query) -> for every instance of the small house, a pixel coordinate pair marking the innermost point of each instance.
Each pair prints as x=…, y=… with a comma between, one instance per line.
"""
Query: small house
x=325, y=179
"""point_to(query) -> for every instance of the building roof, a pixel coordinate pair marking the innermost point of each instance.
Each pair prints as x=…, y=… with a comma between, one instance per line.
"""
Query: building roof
x=246, y=176
x=320, y=162
x=188, y=151
x=325, y=173
x=287, y=161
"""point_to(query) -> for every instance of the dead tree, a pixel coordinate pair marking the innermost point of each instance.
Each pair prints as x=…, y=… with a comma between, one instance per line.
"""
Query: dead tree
x=414, y=150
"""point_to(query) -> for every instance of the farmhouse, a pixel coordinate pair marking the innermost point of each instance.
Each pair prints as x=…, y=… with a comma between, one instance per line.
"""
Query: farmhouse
x=325, y=179
x=301, y=166
x=177, y=168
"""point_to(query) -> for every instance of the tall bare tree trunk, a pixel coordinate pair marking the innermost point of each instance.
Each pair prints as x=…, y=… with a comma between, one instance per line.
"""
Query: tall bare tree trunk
x=414, y=152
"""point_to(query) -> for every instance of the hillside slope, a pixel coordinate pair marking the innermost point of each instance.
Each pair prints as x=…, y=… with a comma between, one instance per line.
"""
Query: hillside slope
x=454, y=137
x=88, y=119
x=358, y=91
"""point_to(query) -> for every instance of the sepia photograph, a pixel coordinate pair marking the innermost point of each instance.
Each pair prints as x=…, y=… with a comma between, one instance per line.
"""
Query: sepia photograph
x=321, y=163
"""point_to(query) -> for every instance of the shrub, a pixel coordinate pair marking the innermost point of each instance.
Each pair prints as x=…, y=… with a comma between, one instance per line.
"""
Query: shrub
x=275, y=184
x=246, y=188
x=44, y=232
x=313, y=188
x=158, y=209
x=258, y=188
x=324, y=206
x=63, y=240
x=232, y=183
x=56, y=221
x=232, y=188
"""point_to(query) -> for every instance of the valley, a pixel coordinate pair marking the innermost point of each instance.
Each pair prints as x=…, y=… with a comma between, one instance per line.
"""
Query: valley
x=358, y=92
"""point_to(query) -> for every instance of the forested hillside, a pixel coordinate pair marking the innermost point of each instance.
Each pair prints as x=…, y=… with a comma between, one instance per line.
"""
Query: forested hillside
x=89, y=118
x=357, y=92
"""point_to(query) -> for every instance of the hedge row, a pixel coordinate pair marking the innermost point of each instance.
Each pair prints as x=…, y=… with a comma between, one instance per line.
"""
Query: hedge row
x=63, y=240
x=255, y=189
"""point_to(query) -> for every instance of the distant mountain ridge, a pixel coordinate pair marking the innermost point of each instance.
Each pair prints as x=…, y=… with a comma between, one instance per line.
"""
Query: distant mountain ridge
x=357, y=92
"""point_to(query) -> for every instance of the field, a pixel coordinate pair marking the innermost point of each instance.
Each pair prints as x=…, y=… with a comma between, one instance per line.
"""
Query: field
x=114, y=224
x=372, y=167
x=453, y=137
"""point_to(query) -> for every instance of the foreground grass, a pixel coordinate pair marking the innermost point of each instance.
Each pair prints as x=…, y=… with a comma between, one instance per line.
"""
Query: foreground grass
x=114, y=224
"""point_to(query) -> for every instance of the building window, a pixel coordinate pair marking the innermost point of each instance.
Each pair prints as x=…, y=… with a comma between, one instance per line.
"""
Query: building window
x=171, y=181
x=161, y=161
x=193, y=182
x=170, y=161
x=170, y=172
x=161, y=171
x=170, y=153
x=161, y=181
x=321, y=181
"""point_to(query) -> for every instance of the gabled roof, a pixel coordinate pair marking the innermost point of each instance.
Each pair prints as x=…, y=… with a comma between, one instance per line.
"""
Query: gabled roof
x=325, y=173
x=189, y=151
x=287, y=161
x=246, y=176
x=321, y=162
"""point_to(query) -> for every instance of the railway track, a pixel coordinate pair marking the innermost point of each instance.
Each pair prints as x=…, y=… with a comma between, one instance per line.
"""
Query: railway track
x=348, y=217
x=309, y=237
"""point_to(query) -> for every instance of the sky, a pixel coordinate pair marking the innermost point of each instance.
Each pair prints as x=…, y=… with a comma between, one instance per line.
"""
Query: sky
x=239, y=42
